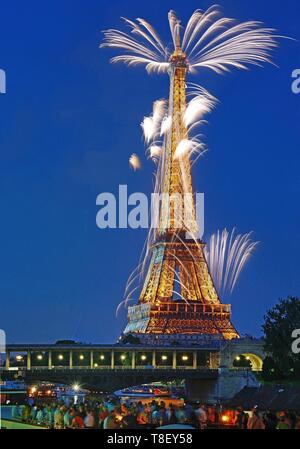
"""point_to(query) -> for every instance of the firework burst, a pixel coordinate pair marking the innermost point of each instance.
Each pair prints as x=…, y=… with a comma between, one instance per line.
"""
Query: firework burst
x=227, y=254
x=134, y=162
x=208, y=40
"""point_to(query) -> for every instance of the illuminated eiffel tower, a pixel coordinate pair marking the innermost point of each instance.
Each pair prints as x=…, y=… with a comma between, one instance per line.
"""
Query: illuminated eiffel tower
x=178, y=261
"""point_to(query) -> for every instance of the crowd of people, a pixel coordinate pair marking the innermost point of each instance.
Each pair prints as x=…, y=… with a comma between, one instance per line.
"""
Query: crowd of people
x=112, y=414
x=266, y=420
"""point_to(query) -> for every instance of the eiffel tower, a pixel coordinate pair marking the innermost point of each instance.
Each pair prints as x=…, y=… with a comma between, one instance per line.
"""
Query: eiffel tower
x=176, y=259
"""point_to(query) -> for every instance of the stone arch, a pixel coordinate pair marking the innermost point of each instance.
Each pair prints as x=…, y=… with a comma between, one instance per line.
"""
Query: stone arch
x=256, y=361
x=250, y=348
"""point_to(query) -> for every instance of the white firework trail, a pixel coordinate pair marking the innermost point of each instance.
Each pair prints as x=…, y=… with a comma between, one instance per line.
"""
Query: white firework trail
x=134, y=162
x=159, y=110
x=183, y=153
x=148, y=127
x=201, y=104
x=187, y=147
x=227, y=254
x=152, y=125
x=165, y=125
x=155, y=152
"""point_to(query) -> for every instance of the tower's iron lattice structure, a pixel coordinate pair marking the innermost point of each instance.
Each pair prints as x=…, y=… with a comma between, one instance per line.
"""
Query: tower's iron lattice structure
x=178, y=262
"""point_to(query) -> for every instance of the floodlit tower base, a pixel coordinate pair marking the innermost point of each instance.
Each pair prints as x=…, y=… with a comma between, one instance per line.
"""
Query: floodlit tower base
x=199, y=313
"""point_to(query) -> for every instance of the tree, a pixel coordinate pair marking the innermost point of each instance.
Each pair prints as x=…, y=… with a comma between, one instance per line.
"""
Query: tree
x=280, y=321
x=269, y=369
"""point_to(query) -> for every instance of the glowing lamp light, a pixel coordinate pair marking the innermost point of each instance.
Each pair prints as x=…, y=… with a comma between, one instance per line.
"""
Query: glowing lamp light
x=143, y=357
x=96, y=365
x=225, y=418
x=76, y=387
x=60, y=357
x=102, y=357
x=81, y=357
x=48, y=392
x=33, y=390
x=247, y=358
x=238, y=358
x=123, y=357
x=185, y=358
x=19, y=358
x=39, y=357
x=164, y=357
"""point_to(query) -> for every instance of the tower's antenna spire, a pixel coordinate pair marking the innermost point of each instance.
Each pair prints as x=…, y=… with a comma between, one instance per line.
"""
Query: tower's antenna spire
x=178, y=43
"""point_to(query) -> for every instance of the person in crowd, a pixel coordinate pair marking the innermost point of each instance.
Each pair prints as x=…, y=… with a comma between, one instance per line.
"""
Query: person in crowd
x=15, y=411
x=129, y=420
x=155, y=415
x=33, y=413
x=103, y=413
x=172, y=419
x=270, y=420
x=25, y=415
x=180, y=415
x=297, y=423
x=89, y=420
x=239, y=418
x=142, y=418
x=40, y=415
x=77, y=421
x=58, y=418
x=292, y=419
x=48, y=415
x=255, y=421
x=190, y=414
x=201, y=417
x=163, y=418
x=245, y=421
x=113, y=420
x=283, y=421
x=67, y=418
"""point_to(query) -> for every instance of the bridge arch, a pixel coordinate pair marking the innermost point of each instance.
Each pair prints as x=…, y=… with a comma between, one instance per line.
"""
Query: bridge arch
x=255, y=360
x=251, y=349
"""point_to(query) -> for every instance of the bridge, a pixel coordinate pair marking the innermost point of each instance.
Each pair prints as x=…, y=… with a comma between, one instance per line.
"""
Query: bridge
x=193, y=354
x=107, y=367
x=206, y=366
x=106, y=357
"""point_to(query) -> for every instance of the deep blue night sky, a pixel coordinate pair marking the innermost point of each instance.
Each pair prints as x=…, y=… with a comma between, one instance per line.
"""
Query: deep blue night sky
x=70, y=121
